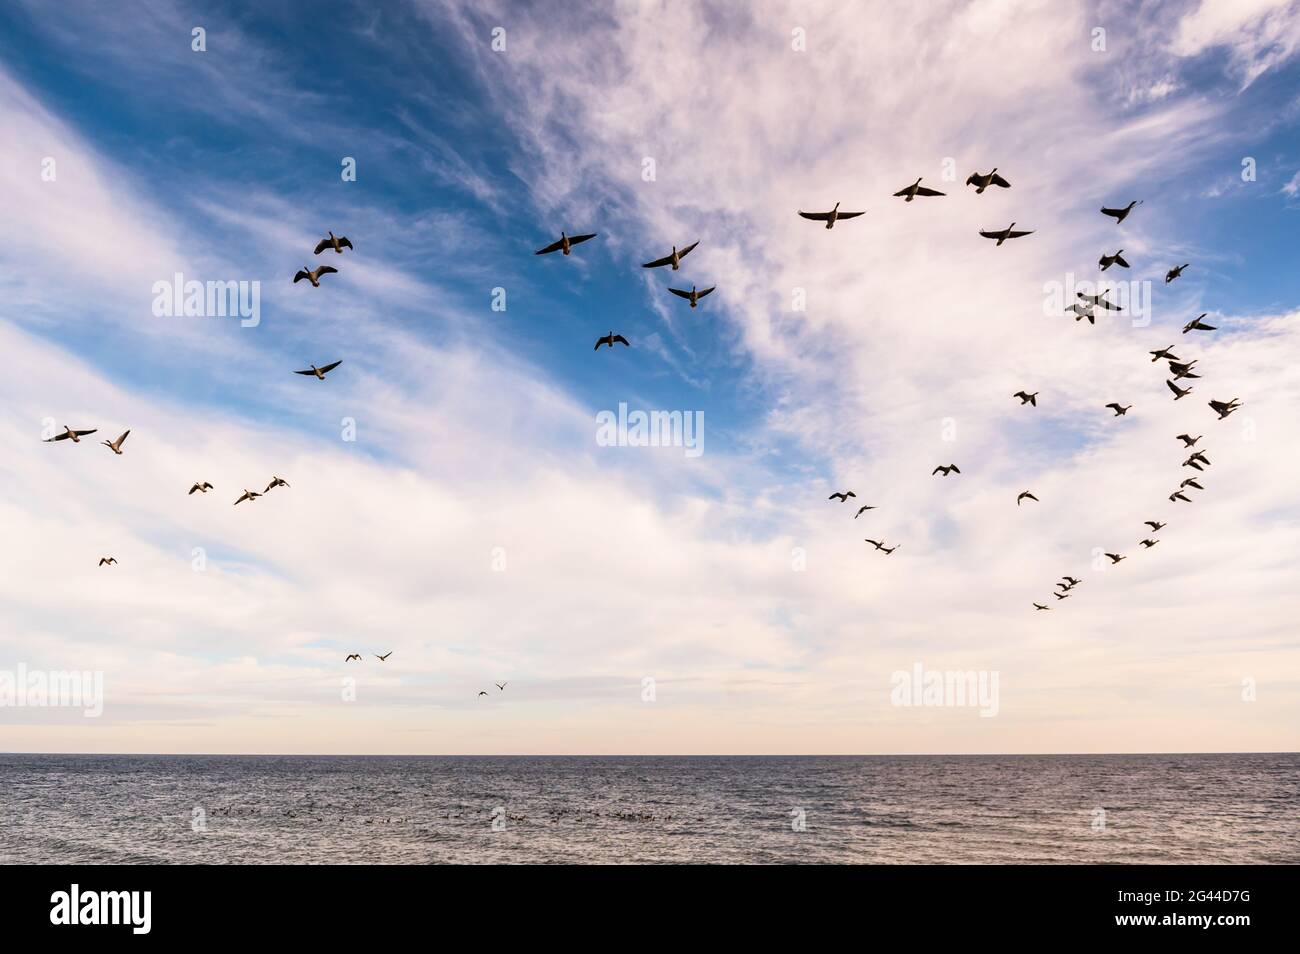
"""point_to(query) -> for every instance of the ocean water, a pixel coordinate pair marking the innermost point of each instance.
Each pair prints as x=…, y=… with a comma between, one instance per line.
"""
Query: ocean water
x=1235, y=809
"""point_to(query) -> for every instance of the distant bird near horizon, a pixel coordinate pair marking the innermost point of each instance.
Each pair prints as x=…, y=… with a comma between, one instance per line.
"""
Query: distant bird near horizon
x=1106, y=261
x=1115, y=558
x=116, y=446
x=108, y=560
x=352, y=656
x=1040, y=606
x=319, y=373
x=879, y=545
x=862, y=510
x=1155, y=525
x=314, y=276
x=841, y=495
x=692, y=296
x=1027, y=398
x=1188, y=440
x=1163, y=353
x=384, y=657
x=1148, y=543
x=1224, y=408
x=1026, y=495
x=1119, y=215
x=831, y=217
x=1098, y=300
x=565, y=243
x=202, y=488
x=1174, y=273
x=983, y=181
x=248, y=495
x=275, y=482
x=674, y=258
x=1179, y=393
x=911, y=192
x=945, y=469
x=1119, y=409
x=1197, y=325
x=336, y=242
x=70, y=434
x=1006, y=234
x=610, y=339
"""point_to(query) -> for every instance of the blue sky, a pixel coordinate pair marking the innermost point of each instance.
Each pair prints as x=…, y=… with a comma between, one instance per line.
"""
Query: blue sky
x=476, y=428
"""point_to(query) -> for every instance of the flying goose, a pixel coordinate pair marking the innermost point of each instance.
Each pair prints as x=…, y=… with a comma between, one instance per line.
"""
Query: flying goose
x=841, y=495
x=1026, y=494
x=1004, y=234
x=1193, y=463
x=1071, y=580
x=1106, y=261
x=1115, y=557
x=109, y=560
x=831, y=217
x=609, y=339
x=1040, y=606
x=314, y=276
x=1163, y=353
x=202, y=488
x=501, y=685
x=319, y=373
x=1027, y=398
x=862, y=510
x=1098, y=300
x=352, y=656
x=1183, y=369
x=879, y=545
x=675, y=259
x=336, y=242
x=1200, y=456
x=565, y=243
x=1082, y=311
x=1118, y=409
x=275, y=482
x=1188, y=440
x=1148, y=543
x=1197, y=325
x=1179, y=495
x=70, y=434
x=945, y=470
x=1061, y=596
x=482, y=693
x=1155, y=525
x=1190, y=482
x=1225, y=408
x=1174, y=273
x=911, y=192
x=982, y=182
x=384, y=657
x=116, y=446
x=248, y=495
x=693, y=296
x=1119, y=215
x=1179, y=393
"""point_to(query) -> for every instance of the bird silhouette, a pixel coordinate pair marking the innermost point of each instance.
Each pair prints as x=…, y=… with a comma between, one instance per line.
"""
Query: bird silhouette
x=314, y=276
x=1061, y=596
x=248, y=495
x=110, y=560
x=1188, y=440
x=1025, y=495
x=693, y=296
x=1190, y=482
x=352, y=656
x=1224, y=408
x=202, y=488
x=1119, y=215
x=1098, y=300
x=336, y=242
x=911, y=192
x=384, y=657
x=1072, y=581
x=564, y=243
x=1004, y=235
x=482, y=693
x=831, y=217
x=501, y=685
x=1106, y=261
x=983, y=181
x=610, y=339
x=1115, y=557
x=1027, y=398
x=70, y=434
x=1179, y=393
x=275, y=482
x=879, y=545
x=1174, y=273
x=861, y=511
x=1082, y=311
x=1040, y=606
x=1163, y=353
x=674, y=258
x=1155, y=525
x=1179, y=495
x=841, y=495
x=1118, y=408
x=1197, y=325
x=319, y=373
x=116, y=446
x=1148, y=543
x=945, y=470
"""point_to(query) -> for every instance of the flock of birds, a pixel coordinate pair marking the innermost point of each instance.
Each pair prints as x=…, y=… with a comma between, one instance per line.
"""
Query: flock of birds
x=1084, y=308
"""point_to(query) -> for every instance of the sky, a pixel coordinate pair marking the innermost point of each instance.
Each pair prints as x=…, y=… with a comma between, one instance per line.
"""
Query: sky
x=450, y=500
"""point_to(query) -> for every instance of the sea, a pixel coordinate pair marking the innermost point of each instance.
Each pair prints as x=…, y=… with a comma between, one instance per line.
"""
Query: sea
x=1023, y=809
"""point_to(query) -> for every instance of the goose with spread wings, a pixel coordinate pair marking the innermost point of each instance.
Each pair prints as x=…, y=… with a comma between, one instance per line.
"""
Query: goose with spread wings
x=319, y=373
x=314, y=275
x=352, y=656
x=202, y=487
x=674, y=259
x=831, y=217
x=1197, y=325
x=908, y=193
x=70, y=435
x=565, y=243
x=1026, y=398
x=1163, y=353
x=116, y=446
x=610, y=339
x=945, y=469
x=384, y=657
x=108, y=560
x=1026, y=495
x=694, y=295
x=1106, y=261
x=879, y=545
x=1179, y=393
x=1119, y=409
x=247, y=495
x=841, y=495
x=1174, y=272
x=1098, y=300
x=336, y=242
x=983, y=181
x=1003, y=235
x=1224, y=408
x=275, y=482
x=1119, y=215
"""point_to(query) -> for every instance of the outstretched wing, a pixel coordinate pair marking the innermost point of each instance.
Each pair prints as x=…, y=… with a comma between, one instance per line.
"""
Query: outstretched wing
x=325, y=270
x=924, y=191
x=322, y=245
x=299, y=277
x=344, y=243
x=997, y=180
x=850, y=215
x=1113, y=213
x=1119, y=260
x=330, y=367
x=706, y=291
x=683, y=252
x=1012, y=235
x=816, y=216
x=620, y=339
x=681, y=294
x=666, y=260
x=312, y=373
x=575, y=239
x=84, y=433
x=992, y=235
x=553, y=247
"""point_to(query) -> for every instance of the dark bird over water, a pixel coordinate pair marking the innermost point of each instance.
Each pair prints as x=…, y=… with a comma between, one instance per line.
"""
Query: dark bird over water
x=70, y=435
x=945, y=470
x=1197, y=325
x=314, y=276
x=1179, y=393
x=983, y=181
x=674, y=258
x=911, y=192
x=610, y=339
x=202, y=488
x=336, y=242
x=1025, y=495
x=1119, y=215
x=831, y=217
x=841, y=495
x=1174, y=273
x=565, y=243
x=1106, y=261
x=1027, y=398
x=116, y=446
x=319, y=373
x=1005, y=234
x=1118, y=408
x=693, y=296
